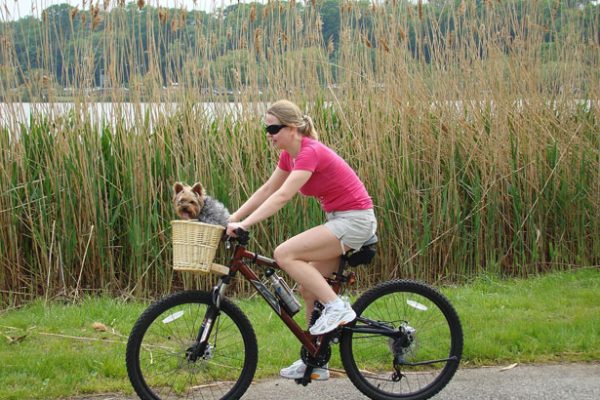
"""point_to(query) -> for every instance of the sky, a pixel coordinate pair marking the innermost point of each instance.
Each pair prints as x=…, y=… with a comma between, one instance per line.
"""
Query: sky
x=15, y=9
x=11, y=10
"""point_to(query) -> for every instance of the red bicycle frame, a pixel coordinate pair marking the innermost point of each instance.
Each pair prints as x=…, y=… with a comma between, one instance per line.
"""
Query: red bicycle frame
x=238, y=264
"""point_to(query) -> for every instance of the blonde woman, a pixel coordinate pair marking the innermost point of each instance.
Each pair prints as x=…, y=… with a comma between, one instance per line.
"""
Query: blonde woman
x=311, y=168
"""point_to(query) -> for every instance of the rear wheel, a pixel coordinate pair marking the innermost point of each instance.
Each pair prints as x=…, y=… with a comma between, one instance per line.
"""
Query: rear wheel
x=406, y=342
x=165, y=362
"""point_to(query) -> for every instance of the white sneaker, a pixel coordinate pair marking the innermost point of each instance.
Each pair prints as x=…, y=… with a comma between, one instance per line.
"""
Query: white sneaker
x=331, y=318
x=296, y=371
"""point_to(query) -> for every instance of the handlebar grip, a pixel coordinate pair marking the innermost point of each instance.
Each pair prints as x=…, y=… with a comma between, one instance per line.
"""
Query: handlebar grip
x=242, y=236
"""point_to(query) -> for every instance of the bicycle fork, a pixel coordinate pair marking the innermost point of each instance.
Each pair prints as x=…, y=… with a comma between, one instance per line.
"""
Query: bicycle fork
x=201, y=348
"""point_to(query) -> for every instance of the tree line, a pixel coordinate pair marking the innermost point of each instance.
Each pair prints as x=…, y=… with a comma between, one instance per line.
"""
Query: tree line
x=103, y=46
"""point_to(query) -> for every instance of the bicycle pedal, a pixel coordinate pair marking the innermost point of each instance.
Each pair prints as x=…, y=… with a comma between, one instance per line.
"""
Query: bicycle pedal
x=302, y=381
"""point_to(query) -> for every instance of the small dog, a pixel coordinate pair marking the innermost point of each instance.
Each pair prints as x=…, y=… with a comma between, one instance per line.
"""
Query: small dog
x=191, y=202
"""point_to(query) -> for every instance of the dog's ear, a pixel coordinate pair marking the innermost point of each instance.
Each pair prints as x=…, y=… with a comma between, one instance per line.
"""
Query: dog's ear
x=197, y=188
x=178, y=187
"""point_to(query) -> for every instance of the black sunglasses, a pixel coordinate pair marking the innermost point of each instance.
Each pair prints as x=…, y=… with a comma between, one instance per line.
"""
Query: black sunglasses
x=274, y=129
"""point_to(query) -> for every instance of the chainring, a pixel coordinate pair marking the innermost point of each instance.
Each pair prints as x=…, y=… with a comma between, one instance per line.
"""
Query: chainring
x=318, y=361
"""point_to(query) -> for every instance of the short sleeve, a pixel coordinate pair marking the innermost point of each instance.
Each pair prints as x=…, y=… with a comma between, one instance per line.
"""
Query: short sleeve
x=307, y=159
x=285, y=161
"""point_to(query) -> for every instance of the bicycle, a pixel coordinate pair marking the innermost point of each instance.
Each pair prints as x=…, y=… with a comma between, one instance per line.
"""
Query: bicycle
x=406, y=342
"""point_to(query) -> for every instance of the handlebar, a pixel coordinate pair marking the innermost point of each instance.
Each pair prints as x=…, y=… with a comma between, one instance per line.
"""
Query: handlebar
x=241, y=236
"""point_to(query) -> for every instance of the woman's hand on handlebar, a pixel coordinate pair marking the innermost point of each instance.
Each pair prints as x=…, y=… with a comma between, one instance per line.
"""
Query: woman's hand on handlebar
x=233, y=226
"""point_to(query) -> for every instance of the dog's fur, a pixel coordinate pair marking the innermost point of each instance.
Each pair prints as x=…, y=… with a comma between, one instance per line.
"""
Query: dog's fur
x=191, y=202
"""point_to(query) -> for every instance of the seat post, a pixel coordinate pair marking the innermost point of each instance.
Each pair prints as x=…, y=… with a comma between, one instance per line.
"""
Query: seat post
x=340, y=272
x=339, y=279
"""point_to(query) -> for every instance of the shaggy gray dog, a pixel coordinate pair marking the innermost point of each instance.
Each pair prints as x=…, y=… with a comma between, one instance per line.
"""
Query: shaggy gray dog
x=213, y=212
x=191, y=202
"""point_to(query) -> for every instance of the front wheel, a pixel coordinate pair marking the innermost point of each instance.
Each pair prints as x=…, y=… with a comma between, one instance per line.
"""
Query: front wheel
x=164, y=360
x=406, y=342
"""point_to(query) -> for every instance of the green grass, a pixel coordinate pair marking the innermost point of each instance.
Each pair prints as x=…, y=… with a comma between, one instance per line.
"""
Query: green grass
x=552, y=318
x=52, y=350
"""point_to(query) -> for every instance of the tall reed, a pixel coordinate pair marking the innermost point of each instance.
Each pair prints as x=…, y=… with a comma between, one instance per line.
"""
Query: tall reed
x=476, y=136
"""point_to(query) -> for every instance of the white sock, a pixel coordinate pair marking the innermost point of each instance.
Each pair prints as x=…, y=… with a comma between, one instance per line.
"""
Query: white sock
x=336, y=304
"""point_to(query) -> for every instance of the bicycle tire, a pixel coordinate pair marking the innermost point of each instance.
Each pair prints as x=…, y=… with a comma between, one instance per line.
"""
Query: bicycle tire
x=156, y=360
x=368, y=358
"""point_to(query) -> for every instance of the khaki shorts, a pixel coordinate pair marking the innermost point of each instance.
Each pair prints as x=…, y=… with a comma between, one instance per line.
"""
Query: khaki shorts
x=353, y=228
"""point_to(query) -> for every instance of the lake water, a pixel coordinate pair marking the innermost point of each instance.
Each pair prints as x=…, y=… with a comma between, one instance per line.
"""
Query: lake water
x=13, y=115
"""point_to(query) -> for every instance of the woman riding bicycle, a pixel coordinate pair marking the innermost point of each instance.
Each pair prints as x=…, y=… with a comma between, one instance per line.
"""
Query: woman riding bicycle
x=403, y=339
x=308, y=166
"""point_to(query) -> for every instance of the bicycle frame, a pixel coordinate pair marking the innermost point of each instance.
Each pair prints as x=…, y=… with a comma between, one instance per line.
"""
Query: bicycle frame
x=239, y=264
x=313, y=344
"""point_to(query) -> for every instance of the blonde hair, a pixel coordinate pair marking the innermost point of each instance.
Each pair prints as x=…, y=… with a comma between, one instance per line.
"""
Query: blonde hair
x=289, y=114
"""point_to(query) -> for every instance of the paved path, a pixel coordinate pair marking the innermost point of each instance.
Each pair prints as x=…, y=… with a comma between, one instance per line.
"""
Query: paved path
x=523, y=382
x=550, y=382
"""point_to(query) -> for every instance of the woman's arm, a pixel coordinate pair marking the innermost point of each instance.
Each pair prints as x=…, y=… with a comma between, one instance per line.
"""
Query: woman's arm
x=275, y=201
x=274, y=182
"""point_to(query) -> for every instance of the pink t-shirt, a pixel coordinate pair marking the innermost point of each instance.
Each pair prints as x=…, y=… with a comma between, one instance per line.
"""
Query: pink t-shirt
x=333, y=182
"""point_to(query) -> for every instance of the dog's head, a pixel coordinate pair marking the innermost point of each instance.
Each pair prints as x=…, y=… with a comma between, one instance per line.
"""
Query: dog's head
x=188, y=200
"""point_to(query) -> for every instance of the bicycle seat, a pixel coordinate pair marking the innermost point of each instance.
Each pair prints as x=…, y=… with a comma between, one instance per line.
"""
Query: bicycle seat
x=364, y=255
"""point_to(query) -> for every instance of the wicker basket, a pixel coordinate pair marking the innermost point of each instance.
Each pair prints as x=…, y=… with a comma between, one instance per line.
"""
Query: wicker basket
x=195, y=245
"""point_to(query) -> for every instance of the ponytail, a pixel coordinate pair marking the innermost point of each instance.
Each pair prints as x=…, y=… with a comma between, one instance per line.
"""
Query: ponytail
x=308, y=129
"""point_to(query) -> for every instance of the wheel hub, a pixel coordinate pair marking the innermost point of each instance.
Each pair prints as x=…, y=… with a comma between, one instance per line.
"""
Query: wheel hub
x=403, y=342
x=199, y=351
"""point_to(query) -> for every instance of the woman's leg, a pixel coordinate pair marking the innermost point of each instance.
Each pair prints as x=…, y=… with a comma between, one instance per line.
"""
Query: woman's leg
x=318, y=245
x=326, y=268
